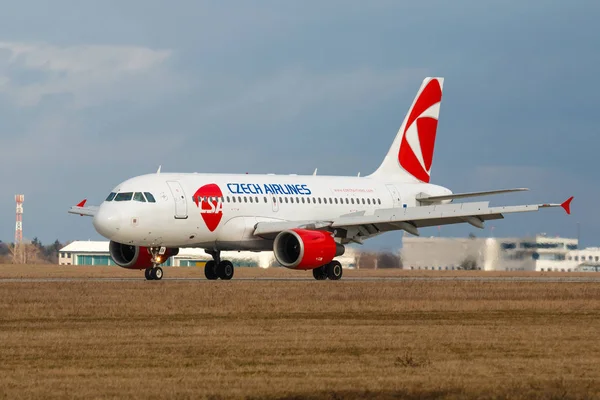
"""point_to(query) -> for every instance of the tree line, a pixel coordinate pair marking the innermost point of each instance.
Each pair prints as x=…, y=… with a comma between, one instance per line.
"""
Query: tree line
x=34, y=252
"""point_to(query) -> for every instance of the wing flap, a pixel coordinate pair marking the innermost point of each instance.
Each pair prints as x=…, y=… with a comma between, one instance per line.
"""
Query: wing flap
x=425, y=216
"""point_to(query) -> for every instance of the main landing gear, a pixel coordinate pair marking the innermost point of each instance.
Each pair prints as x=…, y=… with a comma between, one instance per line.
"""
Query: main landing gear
x=218, y=268
x=155, y=273
x=333, y=271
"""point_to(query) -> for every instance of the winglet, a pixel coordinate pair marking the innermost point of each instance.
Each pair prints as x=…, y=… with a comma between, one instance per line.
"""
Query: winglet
x=567, y=205
x=82, y=203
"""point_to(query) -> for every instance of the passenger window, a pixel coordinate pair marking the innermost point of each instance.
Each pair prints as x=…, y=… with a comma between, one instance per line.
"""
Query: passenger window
x=111, y=196
x=125, y=196
x=379, y=201
x=319, y=200
x=286, y=199
x=369, y=201
x=363, y=201
x=239, y=199
x=347, y=201
x=250, y=198
x=256, y=200
x=233, y=198
x=149, y=197
x=280, y=200
x=245, y=199
x=336, y=200
x=265, y=199
x=228, y=199
x=139, y=197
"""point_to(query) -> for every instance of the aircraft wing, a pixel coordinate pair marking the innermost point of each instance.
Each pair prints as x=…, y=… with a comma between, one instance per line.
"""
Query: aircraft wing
x=455, y=196
x=358, y=227
x=82, y=209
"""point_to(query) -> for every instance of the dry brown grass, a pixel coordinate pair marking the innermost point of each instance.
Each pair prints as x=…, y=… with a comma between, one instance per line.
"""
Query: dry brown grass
x=298, y=339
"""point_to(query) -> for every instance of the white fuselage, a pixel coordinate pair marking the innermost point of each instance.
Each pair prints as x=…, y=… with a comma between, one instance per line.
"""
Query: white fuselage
x=220, y=211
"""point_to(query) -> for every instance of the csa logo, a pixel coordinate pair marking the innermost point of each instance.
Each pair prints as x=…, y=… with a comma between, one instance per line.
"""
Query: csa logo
x=208, y=199
x=420, y=129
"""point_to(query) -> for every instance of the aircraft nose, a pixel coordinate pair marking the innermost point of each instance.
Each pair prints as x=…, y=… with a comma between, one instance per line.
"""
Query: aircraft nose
x=107, y=222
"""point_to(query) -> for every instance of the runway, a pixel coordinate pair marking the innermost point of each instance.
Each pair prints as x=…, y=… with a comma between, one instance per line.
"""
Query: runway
x=544, y=279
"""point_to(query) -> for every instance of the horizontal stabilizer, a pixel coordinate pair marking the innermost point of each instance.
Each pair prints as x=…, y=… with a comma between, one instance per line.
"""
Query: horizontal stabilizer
x=454, y=196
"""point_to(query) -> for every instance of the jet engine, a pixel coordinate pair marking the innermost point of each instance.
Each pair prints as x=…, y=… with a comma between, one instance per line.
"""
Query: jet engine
x=136, y=257
x=305, y=249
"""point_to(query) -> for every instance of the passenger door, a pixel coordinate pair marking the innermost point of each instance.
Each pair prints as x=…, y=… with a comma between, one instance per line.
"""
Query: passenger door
x=180, y=200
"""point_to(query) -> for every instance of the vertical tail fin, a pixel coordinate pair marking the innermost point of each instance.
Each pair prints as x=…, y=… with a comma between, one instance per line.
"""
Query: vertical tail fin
x=410, y=157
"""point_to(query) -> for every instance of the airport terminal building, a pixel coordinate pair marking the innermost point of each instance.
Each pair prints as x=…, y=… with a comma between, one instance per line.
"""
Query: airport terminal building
x=538, y=253
x=97, y=254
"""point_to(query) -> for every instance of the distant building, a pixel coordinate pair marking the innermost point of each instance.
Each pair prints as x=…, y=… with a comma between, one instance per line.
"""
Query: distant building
x=585, y=260
x=538, y=253
x=97, y=253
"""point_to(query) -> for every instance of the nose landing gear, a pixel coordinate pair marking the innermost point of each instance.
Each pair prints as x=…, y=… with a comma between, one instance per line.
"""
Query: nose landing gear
x=218, y=268
x=155, y=273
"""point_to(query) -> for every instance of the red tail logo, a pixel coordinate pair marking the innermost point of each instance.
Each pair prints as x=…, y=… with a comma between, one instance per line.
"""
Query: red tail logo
x=208, y=199
x=418, y=139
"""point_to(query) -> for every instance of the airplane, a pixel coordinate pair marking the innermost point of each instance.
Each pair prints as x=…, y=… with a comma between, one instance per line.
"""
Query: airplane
x=306, y=220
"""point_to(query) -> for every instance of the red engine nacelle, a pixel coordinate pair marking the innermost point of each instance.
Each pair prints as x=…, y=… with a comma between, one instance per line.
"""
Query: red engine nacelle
x=136, y=257
x=305, y=249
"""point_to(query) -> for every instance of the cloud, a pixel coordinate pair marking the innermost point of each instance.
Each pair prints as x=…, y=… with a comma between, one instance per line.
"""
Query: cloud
x=87, y=74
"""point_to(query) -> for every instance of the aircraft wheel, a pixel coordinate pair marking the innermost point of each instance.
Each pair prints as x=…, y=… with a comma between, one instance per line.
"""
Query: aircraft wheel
x=148, y=274
x=320, y=273
x=334, y=270
x=210, y=271
x=225, y=270
x=157, y=273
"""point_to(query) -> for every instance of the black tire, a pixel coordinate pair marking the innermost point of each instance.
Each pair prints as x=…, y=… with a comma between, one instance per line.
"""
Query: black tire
x=148, y=274
x=157, y=273
x=334, y=270
x=320, y=273
x=225, y=270
x=210, y=271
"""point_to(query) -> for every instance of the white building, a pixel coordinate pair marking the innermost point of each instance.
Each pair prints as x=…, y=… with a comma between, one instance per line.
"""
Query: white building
x=539, y=253
x=97, y=253
x=587, y=259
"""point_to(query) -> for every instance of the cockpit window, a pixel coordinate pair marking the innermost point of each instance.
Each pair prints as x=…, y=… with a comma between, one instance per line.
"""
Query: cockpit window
x=150, y=197
x=137, y=196
x=111, y=196
x=124, y=196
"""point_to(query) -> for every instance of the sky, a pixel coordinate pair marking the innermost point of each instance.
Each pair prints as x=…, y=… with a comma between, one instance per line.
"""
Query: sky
x=93, y=93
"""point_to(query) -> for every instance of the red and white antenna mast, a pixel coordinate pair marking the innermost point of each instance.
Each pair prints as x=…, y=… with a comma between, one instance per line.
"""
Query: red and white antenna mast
x=19, y=198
